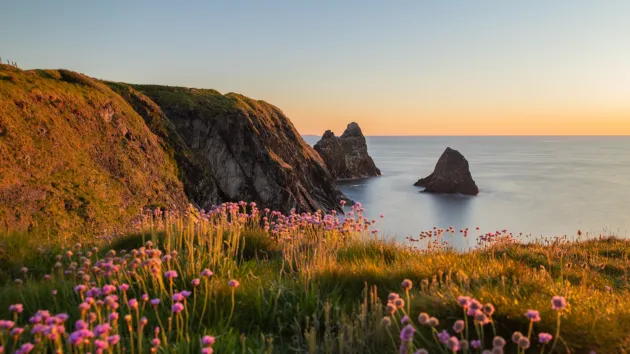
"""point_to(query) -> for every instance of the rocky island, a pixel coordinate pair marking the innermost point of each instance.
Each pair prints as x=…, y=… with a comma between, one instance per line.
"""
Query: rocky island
x=347, y=156
x=451, y=175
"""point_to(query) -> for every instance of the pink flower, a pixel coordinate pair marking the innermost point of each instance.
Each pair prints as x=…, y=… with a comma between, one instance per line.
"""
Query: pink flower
x=476, y=344
x=25, y=348
x=206, y=273
x=544, y=338
x=155, y=302
x=155, y=342
x=463, y=301
x=113, y=340
x=171, y=274
x=406, y=334
x=459, y=326
x=177, y=307
x=17, y=308
x=207, y=341
x=123, y=287
x=533, y=315
x=558, y=303
x=453, y=344
x=133, y=303
x=233, y=283
x=196, y=282
x=178, y=297
x=186, y=293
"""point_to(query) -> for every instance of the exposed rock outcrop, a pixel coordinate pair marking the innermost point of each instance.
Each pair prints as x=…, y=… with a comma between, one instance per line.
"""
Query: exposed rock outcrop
x=347, y=156
x=451, y=175
x=250, y=149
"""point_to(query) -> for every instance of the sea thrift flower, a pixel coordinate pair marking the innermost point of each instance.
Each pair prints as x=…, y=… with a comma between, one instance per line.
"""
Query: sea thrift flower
x=498, y=342
x=558, y=303
x=123, y=287
x=17, y=308
x=516, y=336
x=392, y=297
x=434, y=322
x=423, y=318
x=544, y=338
x=186, y=293
x=233, y=283
x=196, y=282
x=405, y=319
x=80, y=289
x=459, y=326
x=102, y=330
x=523, y=342
x=133, y=303
x=145, y=297
x=207, y=341
x=155, y=342
x=25, y=348
x=400, y=303
x=386, y=321
x=390, y=308
x=100, y=345
x=533, y=315
x=155, y=302
x=177, y=307
x=171, y=274
x=453, y=344
x=443, y=336
x=481, y=317
x=144, y=321
x=406, y=334
x=113, y=340
x=113, y=316
x=476, y=344
x=206, y=273
x=407, y=284
x=207, y=350
x=17, y=331
x=463, y=301
x=178, y=297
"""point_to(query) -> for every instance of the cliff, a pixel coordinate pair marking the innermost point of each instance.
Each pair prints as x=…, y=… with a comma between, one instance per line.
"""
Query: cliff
x=249, y=147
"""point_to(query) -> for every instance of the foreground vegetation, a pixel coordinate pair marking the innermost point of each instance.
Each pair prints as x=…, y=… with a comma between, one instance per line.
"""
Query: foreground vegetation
x=236, y=279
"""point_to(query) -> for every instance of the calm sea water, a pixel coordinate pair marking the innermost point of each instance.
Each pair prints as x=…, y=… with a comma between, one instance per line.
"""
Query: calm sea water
x=543, y=186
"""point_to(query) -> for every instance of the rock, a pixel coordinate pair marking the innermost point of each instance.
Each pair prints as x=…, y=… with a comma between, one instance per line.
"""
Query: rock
x=249, y=148
x=347, y=156
x=451, y=175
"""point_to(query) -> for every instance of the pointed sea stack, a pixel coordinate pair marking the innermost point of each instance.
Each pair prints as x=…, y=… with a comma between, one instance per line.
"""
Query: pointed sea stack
x=347, y=156
x=451, y=175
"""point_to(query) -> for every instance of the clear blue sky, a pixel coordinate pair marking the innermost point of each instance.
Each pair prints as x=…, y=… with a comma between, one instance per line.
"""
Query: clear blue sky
x=400, y=67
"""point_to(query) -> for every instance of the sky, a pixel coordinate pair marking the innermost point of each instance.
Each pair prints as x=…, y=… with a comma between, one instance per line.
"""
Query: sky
x=482, y=67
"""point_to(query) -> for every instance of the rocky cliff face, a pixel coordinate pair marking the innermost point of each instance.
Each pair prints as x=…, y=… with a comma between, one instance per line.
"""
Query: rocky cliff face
x=451, y=175
x=249, y=148
x=75, y=158
x=347, y=156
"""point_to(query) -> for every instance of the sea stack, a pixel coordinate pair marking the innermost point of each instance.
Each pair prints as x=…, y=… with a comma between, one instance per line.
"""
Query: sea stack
x=451, y=175
x=347, y=156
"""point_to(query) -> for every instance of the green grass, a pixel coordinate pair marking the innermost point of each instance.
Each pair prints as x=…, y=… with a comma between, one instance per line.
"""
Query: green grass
x=321, y=291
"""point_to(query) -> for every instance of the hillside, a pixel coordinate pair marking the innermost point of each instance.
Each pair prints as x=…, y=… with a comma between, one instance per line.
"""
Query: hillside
x=75, y=157
x=78, y=155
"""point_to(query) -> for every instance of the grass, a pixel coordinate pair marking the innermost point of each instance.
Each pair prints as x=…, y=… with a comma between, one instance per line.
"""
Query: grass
x=311, y=284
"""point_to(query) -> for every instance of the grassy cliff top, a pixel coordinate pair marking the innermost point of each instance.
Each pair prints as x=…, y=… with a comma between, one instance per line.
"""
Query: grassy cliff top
x=75, y=157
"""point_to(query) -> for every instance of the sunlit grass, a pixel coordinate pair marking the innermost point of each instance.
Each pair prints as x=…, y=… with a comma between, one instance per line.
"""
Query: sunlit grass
x=261, y=282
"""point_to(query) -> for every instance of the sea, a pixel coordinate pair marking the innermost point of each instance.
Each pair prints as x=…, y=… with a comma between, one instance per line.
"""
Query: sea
x=541, y=187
